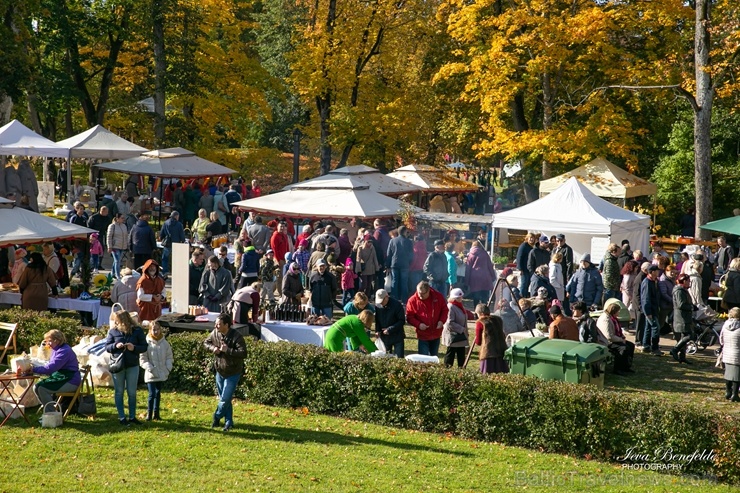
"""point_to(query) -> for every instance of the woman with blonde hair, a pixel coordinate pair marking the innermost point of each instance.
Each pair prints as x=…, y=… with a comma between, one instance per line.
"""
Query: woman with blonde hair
x=555, y=275
x=353, y=330
x=200, y=224
x=63, y=369
x=359, y=303
x=127, y=338
x=729, y=340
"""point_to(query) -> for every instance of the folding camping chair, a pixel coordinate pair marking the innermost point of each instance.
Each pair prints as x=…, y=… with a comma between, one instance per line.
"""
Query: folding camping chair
x=85, y=388
x=11, y=342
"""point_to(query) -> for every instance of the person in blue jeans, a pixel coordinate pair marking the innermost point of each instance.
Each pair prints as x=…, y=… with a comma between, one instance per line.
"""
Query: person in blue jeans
x=126, y=337
x=230, y=350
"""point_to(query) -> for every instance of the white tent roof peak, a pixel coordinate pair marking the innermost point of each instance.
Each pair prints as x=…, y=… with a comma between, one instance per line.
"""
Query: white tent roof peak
x=100, y=143
x=20, y=226
x=19, y=140
x=605, y=179
x=356, y=179
x=418, y=167
x=168, y=153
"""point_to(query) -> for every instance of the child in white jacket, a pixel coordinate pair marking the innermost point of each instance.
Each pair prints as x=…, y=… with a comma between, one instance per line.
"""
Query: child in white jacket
x=157, y=363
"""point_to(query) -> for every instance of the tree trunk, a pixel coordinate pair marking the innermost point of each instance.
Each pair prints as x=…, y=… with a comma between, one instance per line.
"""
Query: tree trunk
x=160, y=71
x=547, y=116
x=345, y=155
x=323, y=105
x=6, y=109
x=702, y=119
x=324, y=101
x=518, y=117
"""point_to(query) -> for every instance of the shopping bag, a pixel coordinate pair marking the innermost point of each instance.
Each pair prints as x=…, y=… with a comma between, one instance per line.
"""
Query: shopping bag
x=86, y=405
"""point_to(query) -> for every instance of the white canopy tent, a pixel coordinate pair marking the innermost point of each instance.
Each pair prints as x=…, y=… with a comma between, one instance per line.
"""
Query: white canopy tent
x=335, y=203
x=604, y=179
x=18, y=140
x=361, y=176
x=98, y=143
x=430, y=179
x=175, y=162
x=576, y=212
x=19, y=226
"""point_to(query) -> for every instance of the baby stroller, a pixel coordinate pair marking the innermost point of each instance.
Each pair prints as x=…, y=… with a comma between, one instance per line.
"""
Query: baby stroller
x=705, y=332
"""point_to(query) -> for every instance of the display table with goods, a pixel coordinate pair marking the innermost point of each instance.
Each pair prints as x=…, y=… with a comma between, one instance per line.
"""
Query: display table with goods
x=13, y=390
x=62, y=302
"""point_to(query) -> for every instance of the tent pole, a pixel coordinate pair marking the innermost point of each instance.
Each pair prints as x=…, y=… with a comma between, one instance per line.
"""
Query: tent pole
x=655, y=204
x=69, y=173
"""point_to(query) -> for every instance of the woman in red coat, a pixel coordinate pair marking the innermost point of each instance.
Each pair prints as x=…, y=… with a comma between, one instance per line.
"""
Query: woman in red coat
x=150, y=292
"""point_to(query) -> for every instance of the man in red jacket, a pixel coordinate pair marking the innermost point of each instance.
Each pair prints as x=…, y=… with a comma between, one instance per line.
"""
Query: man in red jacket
x=427, y=311
x=280, y=244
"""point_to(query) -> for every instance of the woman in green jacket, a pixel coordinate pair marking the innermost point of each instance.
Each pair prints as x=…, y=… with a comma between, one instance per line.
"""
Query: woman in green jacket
x=352, y=327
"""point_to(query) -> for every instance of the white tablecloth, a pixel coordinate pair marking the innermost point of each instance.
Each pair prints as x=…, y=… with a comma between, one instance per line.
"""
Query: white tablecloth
x=295, y=332
x=92, y=306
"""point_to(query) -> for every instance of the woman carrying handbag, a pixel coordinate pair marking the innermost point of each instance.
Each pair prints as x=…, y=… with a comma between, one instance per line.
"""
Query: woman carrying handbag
x=127, y=341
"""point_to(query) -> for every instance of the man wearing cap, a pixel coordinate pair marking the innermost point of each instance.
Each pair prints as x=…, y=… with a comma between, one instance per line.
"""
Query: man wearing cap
x=142, y=241
x=586, y=284
x=650, y=305
x=522, y=259
x=389, y=321
x=562, y=327
x=540, y=255
x=171, y=232
x=427, y=311
x=435, y=267
x=567, y=252
x=323, y=286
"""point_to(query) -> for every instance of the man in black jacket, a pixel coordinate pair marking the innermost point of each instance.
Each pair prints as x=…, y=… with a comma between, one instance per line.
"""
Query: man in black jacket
x=323, y=287
x=398, y=260
x=539, y=255
x=435, y=268
x=389, y=321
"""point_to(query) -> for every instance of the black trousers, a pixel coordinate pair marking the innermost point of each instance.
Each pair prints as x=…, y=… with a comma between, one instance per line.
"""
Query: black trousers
x=455, y=352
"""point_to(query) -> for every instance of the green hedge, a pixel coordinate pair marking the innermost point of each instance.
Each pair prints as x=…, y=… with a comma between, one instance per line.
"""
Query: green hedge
x=543, y=415
x=33, y=325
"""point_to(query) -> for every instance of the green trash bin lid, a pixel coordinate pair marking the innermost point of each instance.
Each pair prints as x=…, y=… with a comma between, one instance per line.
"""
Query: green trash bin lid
x=556, y=350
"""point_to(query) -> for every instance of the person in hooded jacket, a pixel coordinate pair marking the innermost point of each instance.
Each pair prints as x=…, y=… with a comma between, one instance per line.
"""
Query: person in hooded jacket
x=142, y=241
x=157, y=363
x=249, y=268
x=480, y=276
x=586, y=284
x=541, y=279
x=150, y=292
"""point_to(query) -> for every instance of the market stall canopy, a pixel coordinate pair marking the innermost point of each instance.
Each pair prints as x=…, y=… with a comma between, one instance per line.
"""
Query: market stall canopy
x=430, y=179
x=451, y=220
x=357, y=177
x=603, y=178
x=20, y=226
x=18, y=140
x=341, y=203
x=100, y=143
x=580, y=215
x=175, y=162
x=727, y=225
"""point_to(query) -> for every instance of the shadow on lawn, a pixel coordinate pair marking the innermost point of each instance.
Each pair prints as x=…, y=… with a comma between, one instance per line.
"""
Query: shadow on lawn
x=666, y=375
x=107, y=423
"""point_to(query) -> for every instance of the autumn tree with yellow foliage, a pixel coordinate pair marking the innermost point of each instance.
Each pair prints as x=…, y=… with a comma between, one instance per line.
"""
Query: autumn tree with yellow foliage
x=532, y=67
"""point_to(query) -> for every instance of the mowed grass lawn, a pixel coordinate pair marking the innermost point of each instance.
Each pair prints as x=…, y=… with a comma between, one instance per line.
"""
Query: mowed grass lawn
x=278, y=450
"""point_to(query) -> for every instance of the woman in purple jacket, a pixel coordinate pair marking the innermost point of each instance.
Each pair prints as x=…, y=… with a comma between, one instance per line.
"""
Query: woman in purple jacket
x=63, y=369
x=479, y=273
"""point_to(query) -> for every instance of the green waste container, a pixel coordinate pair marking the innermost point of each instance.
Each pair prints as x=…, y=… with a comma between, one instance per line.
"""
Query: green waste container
x=558, y=359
